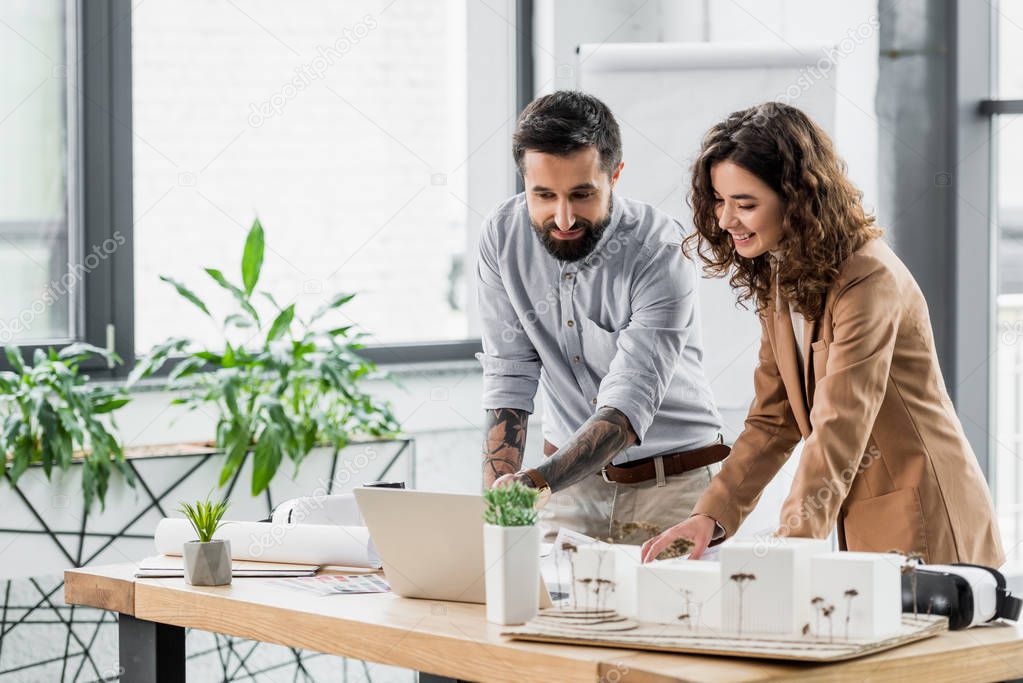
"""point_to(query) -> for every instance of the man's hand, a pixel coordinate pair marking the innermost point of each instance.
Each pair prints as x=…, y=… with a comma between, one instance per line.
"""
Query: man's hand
x=506, y=480
x=699, y=529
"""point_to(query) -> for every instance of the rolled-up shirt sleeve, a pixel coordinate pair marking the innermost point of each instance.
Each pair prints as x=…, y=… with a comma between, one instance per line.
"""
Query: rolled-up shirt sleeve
x=511, y=365
x=649, y=347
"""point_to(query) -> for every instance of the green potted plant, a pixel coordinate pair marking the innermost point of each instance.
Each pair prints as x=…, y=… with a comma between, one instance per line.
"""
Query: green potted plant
x=511, y=550
x=52, y=414
x=281, y=383
x=207, y=560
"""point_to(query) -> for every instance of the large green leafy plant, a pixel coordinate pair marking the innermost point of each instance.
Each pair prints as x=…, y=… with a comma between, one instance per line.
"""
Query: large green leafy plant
x=51, y=413
x=283, y=386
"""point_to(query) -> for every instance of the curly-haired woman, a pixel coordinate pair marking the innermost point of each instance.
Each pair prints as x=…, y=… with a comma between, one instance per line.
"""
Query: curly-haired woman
x=847, y=359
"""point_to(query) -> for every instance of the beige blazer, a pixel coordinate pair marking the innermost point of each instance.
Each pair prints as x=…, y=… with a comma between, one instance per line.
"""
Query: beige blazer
x=885, y=457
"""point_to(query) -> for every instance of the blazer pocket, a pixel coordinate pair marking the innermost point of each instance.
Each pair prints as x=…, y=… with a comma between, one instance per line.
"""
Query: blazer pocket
x=820, y=358
x=894, y=521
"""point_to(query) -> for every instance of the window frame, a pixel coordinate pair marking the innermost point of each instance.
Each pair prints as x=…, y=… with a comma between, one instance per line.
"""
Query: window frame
x=97, y=37
x=100, y=154
x=973, y=108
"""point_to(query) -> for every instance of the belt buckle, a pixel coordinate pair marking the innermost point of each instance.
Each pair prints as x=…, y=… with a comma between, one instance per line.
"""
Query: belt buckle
x=603, y=473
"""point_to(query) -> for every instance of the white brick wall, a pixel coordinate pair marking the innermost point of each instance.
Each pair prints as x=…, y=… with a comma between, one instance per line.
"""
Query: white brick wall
x=344, y=174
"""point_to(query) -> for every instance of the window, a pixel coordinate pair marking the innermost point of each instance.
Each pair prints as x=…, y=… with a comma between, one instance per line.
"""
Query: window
x=369, y=137
x=1008, y=280
x=37, y=176
x=342, y=126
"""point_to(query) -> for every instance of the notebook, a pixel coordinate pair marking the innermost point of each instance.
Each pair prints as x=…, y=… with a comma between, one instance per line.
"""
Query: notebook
x=167, y=566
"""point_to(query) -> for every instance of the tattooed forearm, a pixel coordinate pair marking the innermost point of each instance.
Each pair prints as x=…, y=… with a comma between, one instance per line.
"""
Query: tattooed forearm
x=504, y=444
x=595, y=444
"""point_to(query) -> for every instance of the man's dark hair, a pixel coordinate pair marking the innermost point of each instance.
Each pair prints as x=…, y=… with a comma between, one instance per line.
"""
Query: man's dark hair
x=564, y=122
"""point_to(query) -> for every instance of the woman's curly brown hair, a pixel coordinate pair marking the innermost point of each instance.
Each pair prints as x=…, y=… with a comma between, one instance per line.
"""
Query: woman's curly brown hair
x=823, y=220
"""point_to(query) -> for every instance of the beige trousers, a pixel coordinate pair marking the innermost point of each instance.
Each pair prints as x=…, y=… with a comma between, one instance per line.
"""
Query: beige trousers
x=599, y=509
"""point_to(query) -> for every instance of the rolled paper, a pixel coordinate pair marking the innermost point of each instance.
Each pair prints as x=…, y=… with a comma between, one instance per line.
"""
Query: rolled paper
x=340, y=509
x=318, y=544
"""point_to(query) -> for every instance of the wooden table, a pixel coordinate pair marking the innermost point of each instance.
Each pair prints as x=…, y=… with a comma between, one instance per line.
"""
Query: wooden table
x=448, y=640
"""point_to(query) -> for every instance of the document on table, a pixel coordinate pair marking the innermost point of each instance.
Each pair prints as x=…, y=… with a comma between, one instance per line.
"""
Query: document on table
x=337, y=584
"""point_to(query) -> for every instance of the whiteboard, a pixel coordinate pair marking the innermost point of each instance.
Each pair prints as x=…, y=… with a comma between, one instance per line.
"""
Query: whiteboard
x=665, y=97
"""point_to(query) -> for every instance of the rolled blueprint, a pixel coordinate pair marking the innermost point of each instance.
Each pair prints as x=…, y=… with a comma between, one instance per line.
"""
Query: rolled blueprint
x=320, y=544
x=340, y=509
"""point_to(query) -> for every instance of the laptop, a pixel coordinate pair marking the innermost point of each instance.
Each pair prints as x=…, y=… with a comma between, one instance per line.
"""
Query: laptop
x=430, y=544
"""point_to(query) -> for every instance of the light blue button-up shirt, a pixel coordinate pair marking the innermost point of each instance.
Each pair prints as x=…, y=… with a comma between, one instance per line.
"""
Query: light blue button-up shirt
x=619, y=328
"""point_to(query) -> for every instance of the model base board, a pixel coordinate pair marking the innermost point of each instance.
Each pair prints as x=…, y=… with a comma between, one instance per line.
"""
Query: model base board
x=608, y=629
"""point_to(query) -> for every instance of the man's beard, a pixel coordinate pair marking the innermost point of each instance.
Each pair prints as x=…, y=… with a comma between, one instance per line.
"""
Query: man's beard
x=580, y=247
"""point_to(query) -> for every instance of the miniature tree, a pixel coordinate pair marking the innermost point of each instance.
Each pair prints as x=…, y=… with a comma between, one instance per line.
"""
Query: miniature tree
x=849, y=595
x=686, y=616
x=913, y=560
x=817, y=603
x=910, y=562
x=570, y=550
x=827, y=610
x=586, y=581
x=597, y=581
x=602, y=588
x=741, y=579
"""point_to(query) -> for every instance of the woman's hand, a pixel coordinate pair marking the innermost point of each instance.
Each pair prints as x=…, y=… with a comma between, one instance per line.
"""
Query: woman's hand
x=699, y=529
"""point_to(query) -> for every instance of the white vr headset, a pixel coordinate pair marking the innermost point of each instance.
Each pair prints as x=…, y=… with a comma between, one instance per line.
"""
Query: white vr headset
x=968, y=594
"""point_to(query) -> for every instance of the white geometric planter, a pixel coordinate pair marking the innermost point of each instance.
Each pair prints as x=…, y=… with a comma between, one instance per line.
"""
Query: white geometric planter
x=777, y=600
x=680, y=592
x=876, y=609
x=511, y=556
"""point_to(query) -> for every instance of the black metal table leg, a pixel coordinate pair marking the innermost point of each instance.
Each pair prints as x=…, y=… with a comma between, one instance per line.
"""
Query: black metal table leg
x=150, y=652
x=433, y=678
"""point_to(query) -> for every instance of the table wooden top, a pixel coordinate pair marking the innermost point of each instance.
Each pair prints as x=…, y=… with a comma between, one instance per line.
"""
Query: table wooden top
x=454, y=639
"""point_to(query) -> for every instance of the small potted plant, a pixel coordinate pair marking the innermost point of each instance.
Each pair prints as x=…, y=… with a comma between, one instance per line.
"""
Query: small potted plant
x=511, y=553
x=207, y=561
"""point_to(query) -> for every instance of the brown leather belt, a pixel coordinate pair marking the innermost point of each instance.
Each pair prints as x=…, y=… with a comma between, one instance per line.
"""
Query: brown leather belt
x=645, y=470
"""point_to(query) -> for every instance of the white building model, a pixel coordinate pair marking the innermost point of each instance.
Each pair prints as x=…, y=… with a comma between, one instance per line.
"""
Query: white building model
x=782, y=586
x=863, y=590
x=680, y=592
x=605, y=577
x=766, y=584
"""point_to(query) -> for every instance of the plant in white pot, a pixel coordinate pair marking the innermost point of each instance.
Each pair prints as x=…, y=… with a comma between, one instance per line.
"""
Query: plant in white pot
x=207, y=560
x=511, y=554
